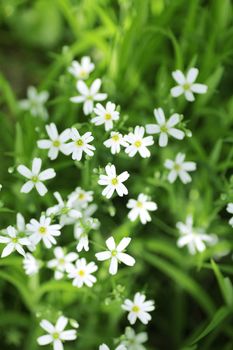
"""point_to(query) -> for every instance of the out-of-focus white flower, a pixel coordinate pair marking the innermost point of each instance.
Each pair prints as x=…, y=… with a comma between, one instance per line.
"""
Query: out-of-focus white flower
x=82, y=272
x=30, y=264
x=56, y=334
x=80, y=198
x=134, y=341
x=105, y=115
x=138, y=143
x=81, y=70
x=116, y=254
x=68, y=215
x=115, y=142
x=180, y=168
x=79, y=144
x=35, y=103
x=113, y=182
x=13, y=242
x=230, y=210
x=61, y=262
x=88, y=95
x=195, y=238
x=140, y=208
x=165, y=127
x=35, y=177
x=56, y=142
x=43, y=230
x=105, y=347
x=139, y=308
x=186, y=84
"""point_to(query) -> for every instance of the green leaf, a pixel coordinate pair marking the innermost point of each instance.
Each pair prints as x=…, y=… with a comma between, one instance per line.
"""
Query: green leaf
x=225, y=284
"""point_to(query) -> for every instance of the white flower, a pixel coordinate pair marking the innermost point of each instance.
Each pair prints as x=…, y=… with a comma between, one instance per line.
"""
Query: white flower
x=56, y=142
x=179, y=168
x=105, y=115
x=139, y=308
x=115, y=142
x=35, y=177
x=186, y=84
x=30, y=264
x=116, y=254
x=35, y=102
x=81, y=273
x=68, y=215
x=80, y=144
x=43, y=230
x=138, y=143
x=61, y=262
x=13, y=242
x=230, y=210
x=195, y=238
x=113, y=182
x=80, y=198
x=134, y=341
x=83, y=69
x=165, y=128
x=56, y=334
x=88, y=95
x=140, y=207
x=105, y=347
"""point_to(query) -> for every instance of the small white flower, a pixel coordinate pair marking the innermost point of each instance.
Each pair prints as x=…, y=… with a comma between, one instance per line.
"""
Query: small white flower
x=81, y=273
x=186, y=84
x=88, y=95
x=56, y=142
x=30, y=264
x=113, y=182
x=13, y=242
x=116, y=254
x=83, y=69
x=105, y=347
x=138, y=143
x=68, y=215
x=195, y=238
x=43, y=230
x=35, y=103
x=80, y=144
x=230, y=210
x=134, y=341
x=80, y=198
x=61, y=262
x=56, y=334
x=179, y=168
x=115, y=142
x=140, y=207
x=165, y=127
x=139, y=308
x=105, y=115
x=35, y=177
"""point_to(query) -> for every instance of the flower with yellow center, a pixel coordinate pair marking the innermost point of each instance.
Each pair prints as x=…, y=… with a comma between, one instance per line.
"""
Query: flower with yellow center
x=179, y=168
x=113, y=182
x=81, y=273
x=115, y=142
x=105, y=115
x=80, y=144
x=137, y=143
x=138, y=308
x=141, y=207
x=61, y=262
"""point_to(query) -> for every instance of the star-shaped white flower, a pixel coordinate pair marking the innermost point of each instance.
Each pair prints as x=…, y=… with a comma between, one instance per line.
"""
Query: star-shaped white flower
x=30, y=264
x=13, y=242
x=35, y=177
x=105, y=115
x=88, y=95
x=115, y=142
x=165, y=127
x=43, y=230
x=116, y=254
x=81, y=273
x=134, y=341
x=230, y=210
x=113, y=182
x=179, y=168
x=81, y=70
x=56, y=334
x=105, y=347
x=138, y=143
x=35, y=103
x=139, y=308
x=186, y=84
x=56, y=142
x=61, y=262
x=80, y=198
x=80, y=144
x=140, y=208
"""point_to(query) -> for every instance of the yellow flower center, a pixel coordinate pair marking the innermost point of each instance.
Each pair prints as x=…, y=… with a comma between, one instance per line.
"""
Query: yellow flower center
x=115, y=138
x=83, y=73
x=114, y=252
x=42, y=230
x=177, y=167
x=139, y=204
x=114, y=181
x=186, y=86
x=15, y=240
x=56, y=143
x=163, y=128
x=81, y=273
x=81, y=196
x=61, y=261
x=135, y=308
x=107, y=116
x=79, y=143
x=34, y=178
x=137, y=143
x=55, y=335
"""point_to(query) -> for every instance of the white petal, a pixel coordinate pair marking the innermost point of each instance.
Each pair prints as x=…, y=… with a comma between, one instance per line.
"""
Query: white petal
x=57, y=345
x=179, y=77
x=192, y=75
x=199, y=88
x=176, y=133
x=8, y=250
x=27, y=187
x=61, y=323
x=23, y=170
x=177, y=91
x=42, y=190
x=82, y=87
x=103, y=256
x=163, y=139
x=45, y=339
x=123, y=244
x=152, y=129
x=47, y=174
x=36, y=165
x=113, y=266
x=126, y=259
x=110, y=243
x=47, y=326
